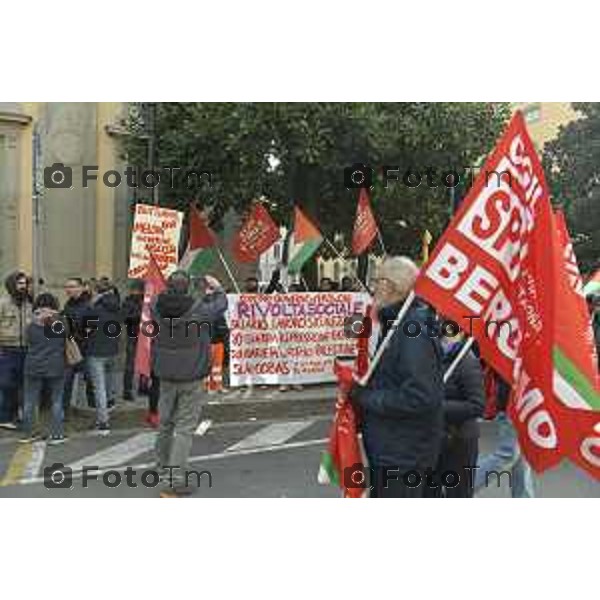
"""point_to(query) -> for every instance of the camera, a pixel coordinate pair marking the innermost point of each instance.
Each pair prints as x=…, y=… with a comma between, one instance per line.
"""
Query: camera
x=57, y=477
x=358, y=176
x=58, y=176
x=357, y=476
x=357, y=326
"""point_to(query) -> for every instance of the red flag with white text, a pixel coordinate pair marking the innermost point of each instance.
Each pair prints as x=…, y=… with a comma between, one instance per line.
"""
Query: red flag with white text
x=258, y=233
x=365, y=227
x=491, y=273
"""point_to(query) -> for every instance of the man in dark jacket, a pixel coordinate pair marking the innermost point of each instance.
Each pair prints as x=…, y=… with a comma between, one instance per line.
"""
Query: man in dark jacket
x=76, y=306
x=464, y=404
x=103, y=322
x=181, y=359
x=15, y=317
x=402, y=405
x=132, y=312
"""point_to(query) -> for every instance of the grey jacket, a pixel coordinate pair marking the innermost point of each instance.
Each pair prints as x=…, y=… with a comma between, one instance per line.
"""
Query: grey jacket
x=45, y=351
x=181, y=350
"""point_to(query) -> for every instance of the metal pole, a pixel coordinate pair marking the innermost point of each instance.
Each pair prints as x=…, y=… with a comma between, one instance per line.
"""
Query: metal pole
x=235, y=285
x=37, y=196
x=151, y=116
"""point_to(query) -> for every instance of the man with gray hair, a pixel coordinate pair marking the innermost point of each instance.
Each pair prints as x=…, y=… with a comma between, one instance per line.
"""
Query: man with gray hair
x=181, y=359
x=401, y=406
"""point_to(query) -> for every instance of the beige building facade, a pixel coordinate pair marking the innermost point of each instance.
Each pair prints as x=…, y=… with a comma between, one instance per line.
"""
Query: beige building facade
x=62, y=231
x=545, y=118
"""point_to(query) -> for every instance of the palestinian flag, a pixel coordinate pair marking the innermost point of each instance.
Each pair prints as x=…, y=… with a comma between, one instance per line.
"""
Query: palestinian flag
x=201, y=250
x=593, y=285
x=305, y=241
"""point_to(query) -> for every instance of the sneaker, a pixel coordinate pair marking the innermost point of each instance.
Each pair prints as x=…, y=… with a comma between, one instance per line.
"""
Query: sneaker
x=154, y=420
x=298, y=387
x=8, y=425
x=284, y=388
x=56, y=440
x=110, y=406
x=103, y=428
x=170, y=493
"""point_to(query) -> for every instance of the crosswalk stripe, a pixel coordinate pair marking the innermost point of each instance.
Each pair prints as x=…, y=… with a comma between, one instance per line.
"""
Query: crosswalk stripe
x=120, y=453
x=32, y=468
x=19, y=462
x=276, y=433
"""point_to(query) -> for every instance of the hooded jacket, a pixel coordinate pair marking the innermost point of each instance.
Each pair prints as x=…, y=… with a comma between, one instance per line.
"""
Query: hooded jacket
x=102, y=341
x=46, y=351
x=181, y=350
x=403, y=419
x=15, y=314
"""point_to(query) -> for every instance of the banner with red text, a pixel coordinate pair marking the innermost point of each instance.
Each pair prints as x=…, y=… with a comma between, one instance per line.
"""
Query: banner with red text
x=290, y=338
x=492, y=271
x=156, y=230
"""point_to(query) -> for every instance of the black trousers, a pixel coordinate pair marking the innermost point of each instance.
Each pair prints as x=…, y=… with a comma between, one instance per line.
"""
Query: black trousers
x=392, y=485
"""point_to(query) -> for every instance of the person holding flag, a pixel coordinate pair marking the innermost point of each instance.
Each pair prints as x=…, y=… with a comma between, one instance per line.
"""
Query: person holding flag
x=402, y=402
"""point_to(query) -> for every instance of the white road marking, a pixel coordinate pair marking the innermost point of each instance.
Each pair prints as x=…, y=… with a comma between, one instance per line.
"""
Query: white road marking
x=203, y=427
x=201, y=458
x=119, y=453
x=37, y=458
x=276, y=433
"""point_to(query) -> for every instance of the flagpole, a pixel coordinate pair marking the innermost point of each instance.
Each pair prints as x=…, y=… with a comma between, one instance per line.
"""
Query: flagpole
x=386, y=341
x=362, y=285
x=381, y=242
x=463, y=352
x=235, y=285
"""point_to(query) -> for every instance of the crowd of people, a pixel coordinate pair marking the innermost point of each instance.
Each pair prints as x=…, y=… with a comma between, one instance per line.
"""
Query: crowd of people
x=410, y=419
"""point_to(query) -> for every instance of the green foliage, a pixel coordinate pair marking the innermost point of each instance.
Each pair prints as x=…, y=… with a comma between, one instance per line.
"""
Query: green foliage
x=572, y=165
x=297, y=152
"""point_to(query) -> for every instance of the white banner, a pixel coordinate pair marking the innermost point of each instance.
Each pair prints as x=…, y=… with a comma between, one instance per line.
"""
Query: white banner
x=290, y=338
x=157, y=230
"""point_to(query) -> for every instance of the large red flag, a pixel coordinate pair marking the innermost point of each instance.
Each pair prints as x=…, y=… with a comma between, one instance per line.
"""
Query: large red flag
x=365, y=226
x=492, y=272
x=258, y=233
x=154, y=285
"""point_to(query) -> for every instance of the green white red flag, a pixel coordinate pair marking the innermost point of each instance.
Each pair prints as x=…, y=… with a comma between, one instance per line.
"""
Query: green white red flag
x=490, y=272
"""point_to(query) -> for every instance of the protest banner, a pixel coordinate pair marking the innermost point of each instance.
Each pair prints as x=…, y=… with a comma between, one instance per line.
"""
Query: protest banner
x=290, y=338
x=155, y=230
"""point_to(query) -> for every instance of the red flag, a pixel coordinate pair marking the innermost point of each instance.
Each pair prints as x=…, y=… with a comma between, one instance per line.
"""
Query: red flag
x=154, y=285
x=365, y=226
x=576, y=384
x=491, y=273
x=201, y=235
x=258, y=233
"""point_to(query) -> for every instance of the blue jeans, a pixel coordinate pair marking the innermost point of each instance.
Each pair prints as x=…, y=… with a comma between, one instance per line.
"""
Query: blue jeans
x=507, y=456
x=104, y=378
x=33, y=388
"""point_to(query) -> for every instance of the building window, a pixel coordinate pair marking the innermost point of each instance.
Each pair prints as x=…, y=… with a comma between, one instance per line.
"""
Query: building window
x=532, y=113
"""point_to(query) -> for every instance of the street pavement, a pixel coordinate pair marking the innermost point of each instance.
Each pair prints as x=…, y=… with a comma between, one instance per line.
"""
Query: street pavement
x=269, y=458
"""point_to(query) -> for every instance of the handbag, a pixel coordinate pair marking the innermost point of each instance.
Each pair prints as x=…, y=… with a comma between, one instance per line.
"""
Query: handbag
x=73, y=354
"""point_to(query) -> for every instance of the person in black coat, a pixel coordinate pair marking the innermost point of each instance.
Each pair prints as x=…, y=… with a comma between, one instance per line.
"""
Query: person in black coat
x=103, y=325
x=464, y=404
x=132, y=313
x=45, y=366
x=402, y=404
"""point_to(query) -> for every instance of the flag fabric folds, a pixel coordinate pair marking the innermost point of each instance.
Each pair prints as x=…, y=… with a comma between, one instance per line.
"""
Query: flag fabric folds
x=304, y=242
x=201, y=250
x=258, y=233
x=365, y=227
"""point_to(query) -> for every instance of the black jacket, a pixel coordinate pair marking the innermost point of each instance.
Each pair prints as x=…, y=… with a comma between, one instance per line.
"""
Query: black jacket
x=464, y=399
x=181, y=350
x=45, y=351
x=403, y=420
x=74, y=311
x=132, y=312
x=101, y=341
